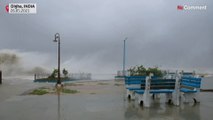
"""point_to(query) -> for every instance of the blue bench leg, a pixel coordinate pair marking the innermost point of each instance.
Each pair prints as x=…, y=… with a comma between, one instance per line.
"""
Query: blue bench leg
x=144, y=99
x=190, y=97
x=130, y=94
x=147, y=99
x=157, y=96
x=169, y=97
x=197, y=97
x=176, y=98
x=140, y=98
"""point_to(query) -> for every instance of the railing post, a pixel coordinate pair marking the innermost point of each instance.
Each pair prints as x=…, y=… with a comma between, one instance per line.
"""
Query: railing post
x=0, y=77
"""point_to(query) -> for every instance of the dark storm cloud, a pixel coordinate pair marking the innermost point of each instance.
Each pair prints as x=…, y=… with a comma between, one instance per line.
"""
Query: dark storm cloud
x=92, y=32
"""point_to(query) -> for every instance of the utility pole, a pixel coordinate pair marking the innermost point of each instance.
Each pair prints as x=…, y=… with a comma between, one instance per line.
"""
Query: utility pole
x=124, y=56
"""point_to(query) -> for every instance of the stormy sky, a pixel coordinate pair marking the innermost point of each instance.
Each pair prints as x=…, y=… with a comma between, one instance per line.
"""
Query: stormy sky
x=92, y=34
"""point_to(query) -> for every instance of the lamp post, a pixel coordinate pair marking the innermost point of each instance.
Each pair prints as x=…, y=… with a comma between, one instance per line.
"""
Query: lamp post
x=57, y=39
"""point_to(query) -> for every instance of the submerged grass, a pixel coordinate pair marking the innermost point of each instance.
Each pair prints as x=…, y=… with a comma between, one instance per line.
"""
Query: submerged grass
x=69, y=91
x=117, y=84
x=103, y=83
x=39, y=92
x=73, y=84
x=45, y=90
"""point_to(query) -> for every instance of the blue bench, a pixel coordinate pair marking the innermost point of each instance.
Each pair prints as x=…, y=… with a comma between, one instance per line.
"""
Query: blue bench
x=133, y=83
x=158, y=85
x=155, y=86
x=190, y=88
x=142, y=88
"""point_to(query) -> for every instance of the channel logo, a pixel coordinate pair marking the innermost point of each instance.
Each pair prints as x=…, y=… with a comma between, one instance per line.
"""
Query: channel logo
x=7, y=8
x=21, y=8
x=191, y=7
x=179, y=7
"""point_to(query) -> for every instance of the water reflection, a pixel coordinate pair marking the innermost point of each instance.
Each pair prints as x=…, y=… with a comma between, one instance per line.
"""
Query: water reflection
x=160, y=110
x=58, y=88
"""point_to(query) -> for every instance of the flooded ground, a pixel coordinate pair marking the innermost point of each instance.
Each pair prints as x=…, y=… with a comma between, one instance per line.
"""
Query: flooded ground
x=97, y=100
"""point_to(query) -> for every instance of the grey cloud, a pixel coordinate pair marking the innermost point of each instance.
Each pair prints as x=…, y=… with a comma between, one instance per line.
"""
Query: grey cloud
x=158, y=34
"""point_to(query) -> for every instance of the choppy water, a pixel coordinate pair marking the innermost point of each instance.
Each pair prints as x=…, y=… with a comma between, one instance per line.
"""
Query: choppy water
x=207, y=83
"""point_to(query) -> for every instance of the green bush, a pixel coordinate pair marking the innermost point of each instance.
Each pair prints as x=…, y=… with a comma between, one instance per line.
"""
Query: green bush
x=53, y=74
x=142, y=71
x=156, y=71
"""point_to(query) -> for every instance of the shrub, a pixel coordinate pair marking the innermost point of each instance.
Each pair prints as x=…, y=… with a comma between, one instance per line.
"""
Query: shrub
x=142, y=71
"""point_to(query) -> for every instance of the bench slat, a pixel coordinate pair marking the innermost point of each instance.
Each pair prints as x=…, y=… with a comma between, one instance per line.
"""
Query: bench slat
x=192, y=78
x=162, y=87
x=132, y=89
x=156, y=91
x=191, y=81
x=190, y=84
x=185, y=90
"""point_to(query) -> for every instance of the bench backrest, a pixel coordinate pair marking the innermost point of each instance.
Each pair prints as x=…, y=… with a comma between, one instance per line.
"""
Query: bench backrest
x=155, y=83
x=190, y=82
x=129, y=80
x=135, y=82
x=160, y=83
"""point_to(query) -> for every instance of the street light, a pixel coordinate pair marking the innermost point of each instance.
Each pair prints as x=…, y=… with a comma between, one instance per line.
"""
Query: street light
x=57, y=39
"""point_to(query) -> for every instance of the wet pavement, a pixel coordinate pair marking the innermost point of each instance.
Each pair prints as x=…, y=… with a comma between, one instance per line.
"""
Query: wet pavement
x=109, y=106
